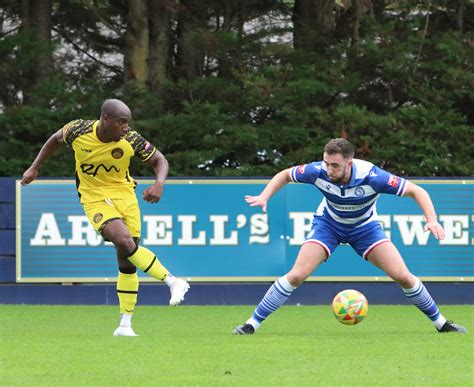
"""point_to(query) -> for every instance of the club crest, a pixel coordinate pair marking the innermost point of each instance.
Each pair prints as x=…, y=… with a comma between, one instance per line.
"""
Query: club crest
x=117, y=153
x=359, y=191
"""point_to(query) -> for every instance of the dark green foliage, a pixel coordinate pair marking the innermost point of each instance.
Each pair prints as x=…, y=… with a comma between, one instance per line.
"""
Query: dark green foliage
x=403, y=97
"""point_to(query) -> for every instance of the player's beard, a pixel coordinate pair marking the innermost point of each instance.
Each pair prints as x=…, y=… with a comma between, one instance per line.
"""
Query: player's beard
x=335, y=180
x=338, y=180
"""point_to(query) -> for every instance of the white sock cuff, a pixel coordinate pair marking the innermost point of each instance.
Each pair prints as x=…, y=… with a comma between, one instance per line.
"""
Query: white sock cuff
x=253, y=322
x=440, y=321
x=415, y=287
x=285, y=284
x=126, y=320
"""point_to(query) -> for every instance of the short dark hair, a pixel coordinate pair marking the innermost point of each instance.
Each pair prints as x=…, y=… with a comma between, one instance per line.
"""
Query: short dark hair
x=341, y=146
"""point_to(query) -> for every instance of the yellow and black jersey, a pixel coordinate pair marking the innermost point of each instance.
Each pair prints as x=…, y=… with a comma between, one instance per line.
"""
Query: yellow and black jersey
x=102, y=168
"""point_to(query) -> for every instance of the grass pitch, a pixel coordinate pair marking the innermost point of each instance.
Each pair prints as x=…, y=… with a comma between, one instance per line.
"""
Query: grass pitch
x=193, y=345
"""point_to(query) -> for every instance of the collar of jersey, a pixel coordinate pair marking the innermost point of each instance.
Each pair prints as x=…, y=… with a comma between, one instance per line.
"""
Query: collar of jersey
x=351, y=182
x=94, y=130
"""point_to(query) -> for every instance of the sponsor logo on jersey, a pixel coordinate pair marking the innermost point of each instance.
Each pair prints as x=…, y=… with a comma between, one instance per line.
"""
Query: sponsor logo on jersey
x=98, y=217
x=301, y=168
x=86, y=150
x=359, y=191
x=147, y=145
x=393, y=181
x=117, y=153
x=91, y=169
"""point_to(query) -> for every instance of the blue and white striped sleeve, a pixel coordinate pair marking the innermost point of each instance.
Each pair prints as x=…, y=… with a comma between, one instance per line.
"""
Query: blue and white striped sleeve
x=385, y=182
x=306, y=173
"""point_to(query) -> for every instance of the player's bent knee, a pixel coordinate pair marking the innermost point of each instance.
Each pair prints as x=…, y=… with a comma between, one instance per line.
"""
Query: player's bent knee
x=406, y=280
x=296, y=278
x=127, y=269
x=126, y=245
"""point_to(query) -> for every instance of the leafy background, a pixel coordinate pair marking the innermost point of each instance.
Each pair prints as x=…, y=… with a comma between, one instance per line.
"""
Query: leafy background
x=395, y=78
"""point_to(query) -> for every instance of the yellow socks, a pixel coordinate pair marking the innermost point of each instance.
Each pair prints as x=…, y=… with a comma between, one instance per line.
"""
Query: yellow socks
x=127, y=284
x=127, y=291
x=146, y=261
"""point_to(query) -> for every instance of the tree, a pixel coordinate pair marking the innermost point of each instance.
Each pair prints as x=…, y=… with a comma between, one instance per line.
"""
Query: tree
x=313, y=21
x=36, y=25
x=235, y=88
x=160, y=14
x=191, y=27
x=137, y=40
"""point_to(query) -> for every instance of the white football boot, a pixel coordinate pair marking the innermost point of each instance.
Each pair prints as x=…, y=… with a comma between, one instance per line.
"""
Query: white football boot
x=178, y=290
x=124, y=331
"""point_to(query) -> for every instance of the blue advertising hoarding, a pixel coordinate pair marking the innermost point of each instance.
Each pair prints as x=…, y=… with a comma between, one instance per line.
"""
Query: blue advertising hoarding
x=204, y=231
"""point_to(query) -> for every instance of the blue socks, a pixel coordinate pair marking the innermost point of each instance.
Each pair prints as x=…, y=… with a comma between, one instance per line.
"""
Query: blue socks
x=420, y=297
x=275, y=297
x=281, y=290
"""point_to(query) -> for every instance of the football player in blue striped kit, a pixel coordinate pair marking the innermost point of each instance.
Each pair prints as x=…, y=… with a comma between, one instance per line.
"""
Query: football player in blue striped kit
x=347, y=214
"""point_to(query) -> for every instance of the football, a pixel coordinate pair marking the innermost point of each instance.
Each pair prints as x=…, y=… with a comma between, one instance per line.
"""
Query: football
x=350, y=307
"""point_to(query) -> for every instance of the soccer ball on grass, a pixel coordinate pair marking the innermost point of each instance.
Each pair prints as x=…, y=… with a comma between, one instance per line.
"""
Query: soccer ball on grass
x=350, y=307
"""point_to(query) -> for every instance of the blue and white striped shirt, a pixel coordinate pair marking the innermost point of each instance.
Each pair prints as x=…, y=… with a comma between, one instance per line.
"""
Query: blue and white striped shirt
x=354, y=203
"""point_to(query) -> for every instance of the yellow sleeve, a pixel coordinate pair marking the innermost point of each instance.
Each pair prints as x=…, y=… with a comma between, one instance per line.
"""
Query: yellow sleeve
x=142, y=148
x=76, y=128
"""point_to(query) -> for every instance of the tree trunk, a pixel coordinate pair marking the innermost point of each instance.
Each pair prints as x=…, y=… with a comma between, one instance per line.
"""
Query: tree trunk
x=460, y=15
x=192, y=23
x=360, y=8
x=233, y=16
x=36, y=21
x=136, y=43
x=312, y=19
x=160, y=12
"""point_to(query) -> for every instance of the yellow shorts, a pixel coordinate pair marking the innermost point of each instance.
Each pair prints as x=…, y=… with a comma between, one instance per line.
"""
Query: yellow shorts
x=101, y=213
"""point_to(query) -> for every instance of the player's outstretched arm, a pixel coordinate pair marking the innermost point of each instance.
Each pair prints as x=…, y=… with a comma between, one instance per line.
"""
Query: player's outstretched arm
x=424, y=201
x=49, y=148
x=158, y=162
x=281, y=179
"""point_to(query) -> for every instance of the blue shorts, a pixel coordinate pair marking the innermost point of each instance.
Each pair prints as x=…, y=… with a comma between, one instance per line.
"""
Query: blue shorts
x=329, y=235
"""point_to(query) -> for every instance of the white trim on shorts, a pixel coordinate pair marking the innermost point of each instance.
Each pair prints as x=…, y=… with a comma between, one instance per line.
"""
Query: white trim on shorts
x=318, y=242
x=373, y=246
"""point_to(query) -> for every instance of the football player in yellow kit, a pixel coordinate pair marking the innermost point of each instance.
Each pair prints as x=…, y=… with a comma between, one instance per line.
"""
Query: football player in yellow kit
x=102, y=150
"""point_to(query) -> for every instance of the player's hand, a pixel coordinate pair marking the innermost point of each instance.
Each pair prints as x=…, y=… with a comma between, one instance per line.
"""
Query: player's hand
x=254, y=201
x=153, y=193
x=436, y=229
x=30, y=174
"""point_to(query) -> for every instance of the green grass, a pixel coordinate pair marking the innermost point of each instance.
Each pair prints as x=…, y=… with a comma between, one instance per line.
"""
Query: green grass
x=192, y=345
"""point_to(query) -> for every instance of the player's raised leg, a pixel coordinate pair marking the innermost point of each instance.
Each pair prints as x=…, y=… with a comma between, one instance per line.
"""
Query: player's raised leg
x=147, y=261
x=130, y=254
x=309, y=258
x=387, y=257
